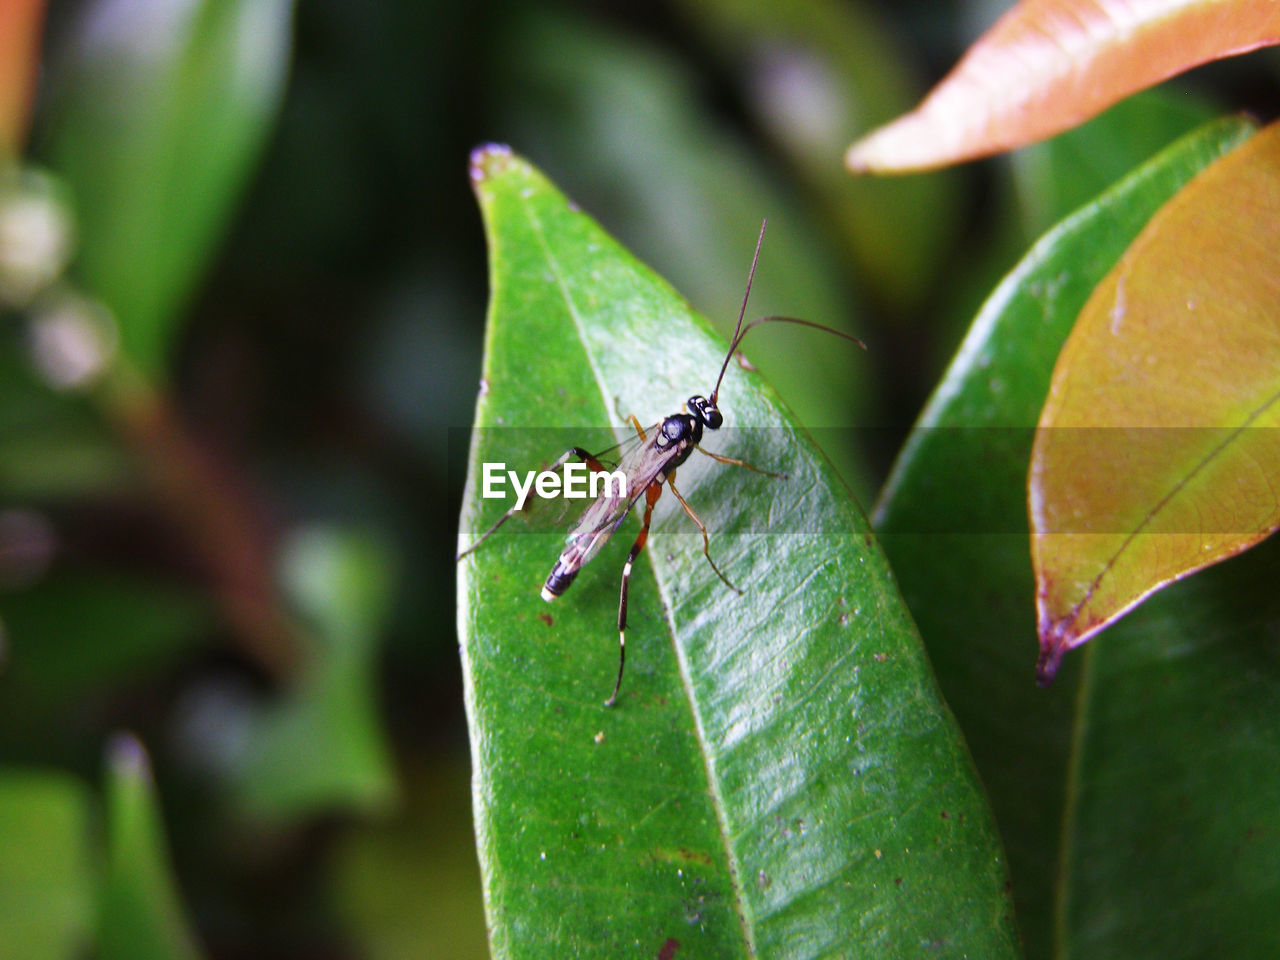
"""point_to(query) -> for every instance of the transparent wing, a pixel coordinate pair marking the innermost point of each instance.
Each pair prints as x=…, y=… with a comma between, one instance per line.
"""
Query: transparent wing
x=626, y=449
x=641, y=463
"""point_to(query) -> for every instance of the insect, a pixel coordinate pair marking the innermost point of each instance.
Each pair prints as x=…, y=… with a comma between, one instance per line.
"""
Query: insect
x=649, y=466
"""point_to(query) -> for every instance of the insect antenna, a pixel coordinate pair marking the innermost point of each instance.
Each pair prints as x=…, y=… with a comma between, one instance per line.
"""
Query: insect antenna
x=740, y=331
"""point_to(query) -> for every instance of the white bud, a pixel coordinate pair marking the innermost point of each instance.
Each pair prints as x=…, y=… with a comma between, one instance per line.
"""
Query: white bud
x=72, y=339
x=36, y=235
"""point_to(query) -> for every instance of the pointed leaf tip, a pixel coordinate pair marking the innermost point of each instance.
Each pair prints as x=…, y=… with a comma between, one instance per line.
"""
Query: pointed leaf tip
x=490, y=160
x=1052, y=649
x=1157, y=449
x=126, y=756
x=1048, y=65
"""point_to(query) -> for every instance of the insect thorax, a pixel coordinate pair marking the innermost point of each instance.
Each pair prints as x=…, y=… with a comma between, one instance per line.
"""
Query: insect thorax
x=677, y=436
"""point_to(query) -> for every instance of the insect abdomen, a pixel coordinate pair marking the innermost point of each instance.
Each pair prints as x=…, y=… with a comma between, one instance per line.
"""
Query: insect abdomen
x=558, y=580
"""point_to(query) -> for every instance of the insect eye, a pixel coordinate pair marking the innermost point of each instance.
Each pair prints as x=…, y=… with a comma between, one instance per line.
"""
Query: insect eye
x=713, y=418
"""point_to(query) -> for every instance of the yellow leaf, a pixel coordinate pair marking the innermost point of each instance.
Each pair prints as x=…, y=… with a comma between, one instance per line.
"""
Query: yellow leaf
x=1157, y=451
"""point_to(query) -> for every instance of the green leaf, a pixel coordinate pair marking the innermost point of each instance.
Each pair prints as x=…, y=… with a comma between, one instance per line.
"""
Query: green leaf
x=953, y=520
x=158, y=114
x=322, y=746
x=141, y=914
x=1174, y=777
x=46, y=874
x=779, y=777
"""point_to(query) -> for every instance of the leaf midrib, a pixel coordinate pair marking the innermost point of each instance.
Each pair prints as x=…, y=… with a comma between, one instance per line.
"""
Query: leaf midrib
x=1149, y=518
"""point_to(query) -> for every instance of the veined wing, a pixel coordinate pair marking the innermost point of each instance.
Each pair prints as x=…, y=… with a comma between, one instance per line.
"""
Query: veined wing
x=641, y=465
x=626, y=450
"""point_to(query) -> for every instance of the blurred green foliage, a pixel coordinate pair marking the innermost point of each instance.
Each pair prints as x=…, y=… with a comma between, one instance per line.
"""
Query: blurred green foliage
x=229, y=479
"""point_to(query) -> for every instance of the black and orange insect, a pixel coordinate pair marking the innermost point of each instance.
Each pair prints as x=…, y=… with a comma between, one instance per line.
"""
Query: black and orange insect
x=649, y=464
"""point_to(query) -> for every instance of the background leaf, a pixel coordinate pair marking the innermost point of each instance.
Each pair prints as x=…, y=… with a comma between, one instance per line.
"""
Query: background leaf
x=1173, y=780
x=1157, y=450
x=814, y=74
x=1047, y=65
x=20, y=22
x=322, y=747
x=406, y=886
x=953, y=521
x=162, y=110
x=779, y=775
x=78, y=639
x=140, y=913
x=46, y=873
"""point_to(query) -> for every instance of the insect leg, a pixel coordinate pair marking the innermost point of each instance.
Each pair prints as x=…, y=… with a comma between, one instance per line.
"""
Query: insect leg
x=578, y=452
x=635, y=422
x=650, y=498
x=721, y=458
x=706, y=542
